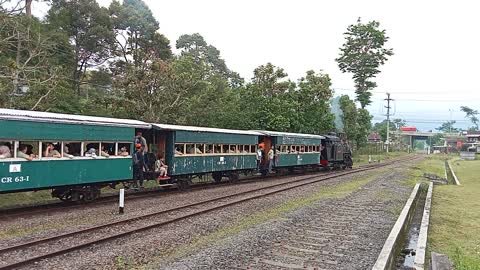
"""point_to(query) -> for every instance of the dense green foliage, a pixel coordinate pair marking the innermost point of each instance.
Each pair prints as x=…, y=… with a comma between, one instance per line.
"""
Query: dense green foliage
x=113, y=61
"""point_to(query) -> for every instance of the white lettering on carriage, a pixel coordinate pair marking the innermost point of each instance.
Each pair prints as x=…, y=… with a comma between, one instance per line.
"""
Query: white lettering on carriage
x=17, y=179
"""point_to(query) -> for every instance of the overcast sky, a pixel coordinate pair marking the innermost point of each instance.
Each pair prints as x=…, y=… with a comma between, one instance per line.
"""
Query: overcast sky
x=436, y=45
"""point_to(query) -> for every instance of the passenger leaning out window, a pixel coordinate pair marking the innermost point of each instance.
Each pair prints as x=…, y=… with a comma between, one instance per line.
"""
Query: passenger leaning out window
x=22, y=153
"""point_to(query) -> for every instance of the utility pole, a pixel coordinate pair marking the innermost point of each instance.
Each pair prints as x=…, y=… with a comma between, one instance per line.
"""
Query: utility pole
x=388, y=99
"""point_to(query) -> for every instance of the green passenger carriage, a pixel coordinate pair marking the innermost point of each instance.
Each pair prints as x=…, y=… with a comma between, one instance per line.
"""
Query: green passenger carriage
x=75, y=175
x=196, y=151
x=293, y=149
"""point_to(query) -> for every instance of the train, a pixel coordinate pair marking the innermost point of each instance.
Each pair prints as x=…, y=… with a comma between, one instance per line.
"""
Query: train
x=94, y=152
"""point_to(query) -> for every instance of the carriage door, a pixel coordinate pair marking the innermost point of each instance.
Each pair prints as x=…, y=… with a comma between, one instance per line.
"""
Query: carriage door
x=161, y=144
x=267, y=141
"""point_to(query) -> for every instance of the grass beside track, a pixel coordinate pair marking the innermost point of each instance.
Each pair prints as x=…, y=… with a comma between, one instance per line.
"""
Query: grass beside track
x=455, y=216
x=335, y=191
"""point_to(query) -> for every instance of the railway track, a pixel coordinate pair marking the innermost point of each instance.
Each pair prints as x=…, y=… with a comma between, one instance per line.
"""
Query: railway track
x=14, y=256
x=50, y=208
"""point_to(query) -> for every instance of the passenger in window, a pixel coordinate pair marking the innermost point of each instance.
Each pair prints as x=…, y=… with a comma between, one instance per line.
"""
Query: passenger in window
x=197, y=150
x=5, y=150
x=22, y=153
x=50, y=151
x=302, y=149
x=123, y=151
x=104, y=153
x=92, y=152
x=66, y=151
x=177, y=151
x=161, y=167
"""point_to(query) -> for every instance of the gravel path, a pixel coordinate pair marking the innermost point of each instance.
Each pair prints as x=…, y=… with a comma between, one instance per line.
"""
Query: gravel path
x=346, y=233
x=238, y=235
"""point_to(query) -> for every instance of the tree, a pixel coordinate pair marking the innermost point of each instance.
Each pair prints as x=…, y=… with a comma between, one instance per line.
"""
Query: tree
x=89, y=29
x=313, y=95
x=30, y=66
x=381, y=127
x=471, y=114
x=447, y=127
x=195, y=45
x=362, y=54
x=364, y=122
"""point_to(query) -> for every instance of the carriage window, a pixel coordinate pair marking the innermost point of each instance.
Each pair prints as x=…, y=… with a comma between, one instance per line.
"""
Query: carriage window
x=29, y=148
x=51, y=149
x=232, y=149
x=209, y=149
x=190, y=149
x=72, y=149
x=246, y=149
x=107, y=149
x=253, y=148
x=123, y=149
x=225, y=148
x=199, y=148
x=179, y=149
x=91, y=149
x=7, y=149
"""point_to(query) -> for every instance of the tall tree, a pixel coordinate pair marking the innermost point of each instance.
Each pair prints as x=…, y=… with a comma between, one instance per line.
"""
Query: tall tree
x=471, y=114
x=362, y=54
x=89, y=29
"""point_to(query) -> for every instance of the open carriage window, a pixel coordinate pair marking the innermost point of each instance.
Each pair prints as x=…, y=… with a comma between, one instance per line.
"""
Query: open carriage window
x=72, y=149
x=225, y=148
x=209, y=149
x=179, y=149
x=7, y=149
x=51, y=149
x=123, y=149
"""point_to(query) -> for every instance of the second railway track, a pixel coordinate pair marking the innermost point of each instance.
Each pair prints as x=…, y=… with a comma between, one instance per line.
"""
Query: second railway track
x=14, y=256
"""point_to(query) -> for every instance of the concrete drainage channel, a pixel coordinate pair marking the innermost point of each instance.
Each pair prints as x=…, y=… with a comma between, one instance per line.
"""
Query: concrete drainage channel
x=449, y=172
x=407, y=241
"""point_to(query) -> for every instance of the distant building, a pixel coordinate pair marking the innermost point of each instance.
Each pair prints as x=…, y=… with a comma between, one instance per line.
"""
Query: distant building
x=374, y=137
x=408, y=129
x=473, y=136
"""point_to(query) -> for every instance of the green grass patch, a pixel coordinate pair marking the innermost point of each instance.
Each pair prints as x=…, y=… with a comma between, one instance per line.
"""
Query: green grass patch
x=277, y=213
x=25, y=198
x=455, y=217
